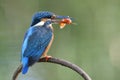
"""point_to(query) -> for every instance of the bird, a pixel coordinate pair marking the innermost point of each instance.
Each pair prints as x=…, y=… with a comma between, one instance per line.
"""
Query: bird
x=38, y=38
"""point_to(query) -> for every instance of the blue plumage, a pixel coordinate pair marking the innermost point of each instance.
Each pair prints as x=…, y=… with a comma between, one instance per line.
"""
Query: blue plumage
x=35, y=42
x=37, y=38
x=39, y=15
x=25, y=64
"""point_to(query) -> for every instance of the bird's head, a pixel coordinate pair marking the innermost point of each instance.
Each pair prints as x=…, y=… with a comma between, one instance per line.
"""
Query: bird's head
x=43, y=16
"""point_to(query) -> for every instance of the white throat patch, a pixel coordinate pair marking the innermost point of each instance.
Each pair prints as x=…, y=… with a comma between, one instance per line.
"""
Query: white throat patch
x=41, y=23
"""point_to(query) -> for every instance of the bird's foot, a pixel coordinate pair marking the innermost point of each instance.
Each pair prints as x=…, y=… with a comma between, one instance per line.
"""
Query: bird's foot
x=47, y=57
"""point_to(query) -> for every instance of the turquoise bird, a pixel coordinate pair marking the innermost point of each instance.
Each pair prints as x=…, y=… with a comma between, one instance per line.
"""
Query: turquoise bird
x=39, y=37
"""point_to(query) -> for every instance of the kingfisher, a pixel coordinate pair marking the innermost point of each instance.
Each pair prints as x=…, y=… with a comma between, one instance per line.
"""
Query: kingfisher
x=39, y=37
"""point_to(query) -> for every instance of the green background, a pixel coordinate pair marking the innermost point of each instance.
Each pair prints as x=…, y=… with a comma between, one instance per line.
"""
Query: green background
x=93, y=43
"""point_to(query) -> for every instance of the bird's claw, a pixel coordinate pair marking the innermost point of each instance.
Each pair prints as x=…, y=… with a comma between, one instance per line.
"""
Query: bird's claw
x=47, y=57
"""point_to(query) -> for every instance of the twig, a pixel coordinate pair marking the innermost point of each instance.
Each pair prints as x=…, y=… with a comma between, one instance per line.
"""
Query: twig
x=17, y=72
x=57, y=61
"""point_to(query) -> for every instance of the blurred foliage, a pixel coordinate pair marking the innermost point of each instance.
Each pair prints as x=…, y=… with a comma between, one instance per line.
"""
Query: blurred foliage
x=93, y=43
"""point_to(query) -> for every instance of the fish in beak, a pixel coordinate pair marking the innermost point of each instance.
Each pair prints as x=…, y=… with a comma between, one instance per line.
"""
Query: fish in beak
x=65, y=21
x=62, y=21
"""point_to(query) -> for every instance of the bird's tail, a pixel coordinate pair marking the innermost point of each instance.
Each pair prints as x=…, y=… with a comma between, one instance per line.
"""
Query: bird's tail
x=25, y=65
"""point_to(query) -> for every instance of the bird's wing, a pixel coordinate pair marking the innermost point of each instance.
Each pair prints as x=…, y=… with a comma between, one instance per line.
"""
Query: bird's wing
x=35, y=42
